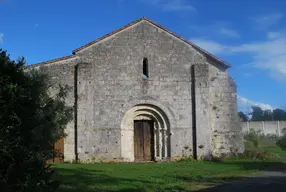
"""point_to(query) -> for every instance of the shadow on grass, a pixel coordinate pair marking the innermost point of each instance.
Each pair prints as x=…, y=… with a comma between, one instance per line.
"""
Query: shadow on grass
x=259, y=165
x=272, y=178
x=85, y=180
x=263, y=183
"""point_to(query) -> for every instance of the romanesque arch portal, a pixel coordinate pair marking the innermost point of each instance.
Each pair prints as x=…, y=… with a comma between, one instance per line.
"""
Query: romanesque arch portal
x=145, y=134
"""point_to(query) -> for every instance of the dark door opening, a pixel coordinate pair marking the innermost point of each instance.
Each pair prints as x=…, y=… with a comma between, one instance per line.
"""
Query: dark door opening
x=144, y=140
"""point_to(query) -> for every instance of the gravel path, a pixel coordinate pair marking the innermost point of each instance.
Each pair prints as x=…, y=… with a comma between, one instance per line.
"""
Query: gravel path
x=273, y=181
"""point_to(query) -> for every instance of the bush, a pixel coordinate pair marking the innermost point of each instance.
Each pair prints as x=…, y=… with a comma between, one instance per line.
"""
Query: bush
x=31, y=120
x=256, y=139
x=259, y=154
x=282, y=143
x=252, y=139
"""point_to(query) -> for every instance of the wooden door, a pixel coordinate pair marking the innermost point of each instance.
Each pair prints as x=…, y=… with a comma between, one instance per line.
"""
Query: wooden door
x=59, y=148
x=144, y=140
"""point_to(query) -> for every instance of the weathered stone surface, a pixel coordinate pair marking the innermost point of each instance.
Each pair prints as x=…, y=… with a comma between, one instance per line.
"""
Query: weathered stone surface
x=226, y=129
x=107, y=83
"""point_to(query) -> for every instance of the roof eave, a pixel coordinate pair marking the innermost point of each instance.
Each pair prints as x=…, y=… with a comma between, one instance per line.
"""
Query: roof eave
x=51, y=61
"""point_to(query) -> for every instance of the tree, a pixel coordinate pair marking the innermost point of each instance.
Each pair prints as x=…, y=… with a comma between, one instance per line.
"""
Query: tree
x=267, y=115
x=279, y=115
x=243, y=116
x=256, y=114
x=31, y=120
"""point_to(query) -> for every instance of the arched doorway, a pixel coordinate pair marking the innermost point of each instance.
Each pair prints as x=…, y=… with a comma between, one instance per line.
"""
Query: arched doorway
x=145, y=134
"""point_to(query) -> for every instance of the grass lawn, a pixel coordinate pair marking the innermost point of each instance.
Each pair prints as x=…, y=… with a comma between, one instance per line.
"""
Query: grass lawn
x=169, y=176
x=173, y=176
x=276, y=150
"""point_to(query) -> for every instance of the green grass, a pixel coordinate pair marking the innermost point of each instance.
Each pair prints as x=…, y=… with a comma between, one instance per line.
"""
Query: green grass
x=276, y=150
x=172, y=176
x=184, y=176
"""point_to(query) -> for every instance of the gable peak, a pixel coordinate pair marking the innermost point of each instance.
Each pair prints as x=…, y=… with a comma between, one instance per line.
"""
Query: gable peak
x=209, y=55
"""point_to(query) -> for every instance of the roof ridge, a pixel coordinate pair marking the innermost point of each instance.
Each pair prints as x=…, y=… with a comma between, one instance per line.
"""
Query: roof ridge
x=211, y=56
x=159, y=26
x=189, y=42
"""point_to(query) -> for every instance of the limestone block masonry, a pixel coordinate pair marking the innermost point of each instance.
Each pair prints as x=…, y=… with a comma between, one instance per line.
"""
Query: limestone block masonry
x=109, y=91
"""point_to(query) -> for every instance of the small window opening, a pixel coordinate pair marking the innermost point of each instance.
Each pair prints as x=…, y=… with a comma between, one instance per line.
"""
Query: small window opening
x=145, y=68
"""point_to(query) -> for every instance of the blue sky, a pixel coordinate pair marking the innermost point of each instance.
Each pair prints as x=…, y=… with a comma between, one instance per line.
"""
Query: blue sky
x=248, y=34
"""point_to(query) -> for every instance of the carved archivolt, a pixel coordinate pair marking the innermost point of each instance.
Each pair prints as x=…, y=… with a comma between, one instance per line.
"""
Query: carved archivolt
x=161, y=131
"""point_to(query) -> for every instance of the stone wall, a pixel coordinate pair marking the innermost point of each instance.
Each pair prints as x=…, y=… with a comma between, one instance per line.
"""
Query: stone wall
x=63, y=72
x=266, y=127
x=114, y=78
x=202, y=108
x=217, y=123
x=227, y=135
x=106, y=82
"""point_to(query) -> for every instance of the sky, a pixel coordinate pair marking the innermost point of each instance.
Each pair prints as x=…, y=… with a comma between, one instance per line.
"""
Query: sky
x=248, y=34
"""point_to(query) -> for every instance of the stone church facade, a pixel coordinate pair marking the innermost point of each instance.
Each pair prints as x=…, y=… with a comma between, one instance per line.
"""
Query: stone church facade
x=143, y=93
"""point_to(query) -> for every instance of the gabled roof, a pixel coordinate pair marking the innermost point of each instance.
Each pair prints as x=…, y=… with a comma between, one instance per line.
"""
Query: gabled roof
x=209, y=55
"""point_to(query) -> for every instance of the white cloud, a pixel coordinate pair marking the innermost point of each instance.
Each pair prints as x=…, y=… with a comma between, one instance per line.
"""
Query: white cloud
x=245, y=104
x=210, y=46
x=265, y=21
x=273, y=35
x=1, y=38
x=217, y=28
x=177, y=5
x=172, y=5
x=269, y=54
x=228, y=32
